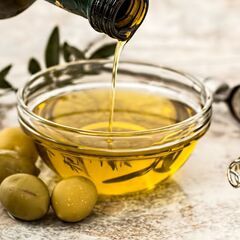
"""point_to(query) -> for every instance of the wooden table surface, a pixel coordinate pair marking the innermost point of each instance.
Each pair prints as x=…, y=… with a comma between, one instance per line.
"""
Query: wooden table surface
x=200, y=37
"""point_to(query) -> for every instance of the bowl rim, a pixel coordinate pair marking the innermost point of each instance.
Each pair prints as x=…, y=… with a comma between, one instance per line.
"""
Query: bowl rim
x=196, y=117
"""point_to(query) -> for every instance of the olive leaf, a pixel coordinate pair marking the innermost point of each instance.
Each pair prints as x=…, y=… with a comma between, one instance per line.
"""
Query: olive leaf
x=168, y=162
x=73, y=165
x=34, y=66
x=127, y=164
x=4, y=72
x=66, y=53
x=112, y=164
x=134, y=174
x=52, y=52
x=4, y=84
x=71, y=53
x=105, y=51
x=76, y=164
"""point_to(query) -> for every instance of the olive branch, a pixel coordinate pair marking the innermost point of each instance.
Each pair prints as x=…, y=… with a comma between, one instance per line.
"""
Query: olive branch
x=55, y=53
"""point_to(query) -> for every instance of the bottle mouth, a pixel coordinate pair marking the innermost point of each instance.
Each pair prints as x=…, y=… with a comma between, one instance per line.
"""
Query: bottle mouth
x=118, y=18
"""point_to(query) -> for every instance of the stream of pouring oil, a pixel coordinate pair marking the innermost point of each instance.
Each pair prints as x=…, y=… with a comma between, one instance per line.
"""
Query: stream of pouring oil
x=118, y=51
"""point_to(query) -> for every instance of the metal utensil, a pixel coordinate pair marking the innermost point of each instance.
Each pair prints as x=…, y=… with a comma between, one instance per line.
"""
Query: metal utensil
x=222, y=92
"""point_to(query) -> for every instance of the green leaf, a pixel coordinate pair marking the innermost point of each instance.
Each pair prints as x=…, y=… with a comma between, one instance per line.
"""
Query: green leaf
x=127, y=164
x=76, y=164
x=71, y=53
x=105, y=51
x=34, y=66
x=5, y=71
x=4, y=84
x=168, y=162
x=66, y=52
x=134, y=174
x=52, y=52
x=112, y=164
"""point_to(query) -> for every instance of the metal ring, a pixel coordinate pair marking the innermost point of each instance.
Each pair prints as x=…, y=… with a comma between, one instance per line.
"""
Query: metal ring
x=234, y=173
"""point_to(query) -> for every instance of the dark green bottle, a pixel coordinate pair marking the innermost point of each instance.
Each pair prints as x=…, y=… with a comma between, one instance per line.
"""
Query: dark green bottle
x=117, y=18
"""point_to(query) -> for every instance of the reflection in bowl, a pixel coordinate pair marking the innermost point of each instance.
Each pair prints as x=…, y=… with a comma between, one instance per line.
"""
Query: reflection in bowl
x=159, y=116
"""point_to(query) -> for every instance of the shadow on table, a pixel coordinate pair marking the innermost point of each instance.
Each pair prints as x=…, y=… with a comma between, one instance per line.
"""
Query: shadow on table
x=166, y=193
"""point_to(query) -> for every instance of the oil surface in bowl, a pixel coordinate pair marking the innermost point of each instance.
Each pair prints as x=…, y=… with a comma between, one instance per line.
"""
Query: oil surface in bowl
x=135, y=110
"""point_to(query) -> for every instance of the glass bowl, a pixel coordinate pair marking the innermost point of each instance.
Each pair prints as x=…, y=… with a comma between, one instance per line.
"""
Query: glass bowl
x=160, y=115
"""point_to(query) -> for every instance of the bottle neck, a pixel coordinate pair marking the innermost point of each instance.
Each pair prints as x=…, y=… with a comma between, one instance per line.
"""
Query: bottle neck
x=79, y=7
x=117, y=18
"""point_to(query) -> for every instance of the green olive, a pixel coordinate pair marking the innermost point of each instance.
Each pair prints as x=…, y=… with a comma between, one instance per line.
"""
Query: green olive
x=73, y=199
x=15, y=139
x=11, y=163
x=25, y=197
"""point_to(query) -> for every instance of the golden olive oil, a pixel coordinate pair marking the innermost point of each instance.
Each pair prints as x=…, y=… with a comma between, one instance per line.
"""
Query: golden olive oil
x=118, y=51
x=135, y=110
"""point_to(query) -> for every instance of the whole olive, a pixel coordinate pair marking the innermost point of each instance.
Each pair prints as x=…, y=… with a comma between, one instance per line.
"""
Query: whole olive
x=73, y=199
x=11, y=163
x=25, y=197
x=15, y=139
